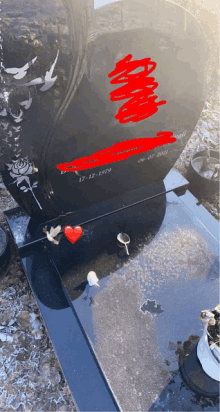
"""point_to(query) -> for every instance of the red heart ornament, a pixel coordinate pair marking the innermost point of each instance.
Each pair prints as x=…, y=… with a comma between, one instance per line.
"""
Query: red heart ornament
x=73, y=233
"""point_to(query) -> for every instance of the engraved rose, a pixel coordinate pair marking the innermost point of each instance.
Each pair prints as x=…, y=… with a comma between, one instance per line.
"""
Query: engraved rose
x=21, y=167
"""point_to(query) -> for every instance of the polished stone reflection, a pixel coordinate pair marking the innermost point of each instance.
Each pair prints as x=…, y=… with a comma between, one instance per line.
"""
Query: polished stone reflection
x=98, y=249
x=147, y=302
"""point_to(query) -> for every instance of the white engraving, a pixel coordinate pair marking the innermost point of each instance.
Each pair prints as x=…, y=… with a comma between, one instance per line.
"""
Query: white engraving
x=27, y=103
x=93, y=175
x=3, y=113
x=6, y=96
x=18, y=118
x=48, y=80
x=5, y=125
x=20, y=73
x=19, y=170
x=151, y=156
x=17, y=129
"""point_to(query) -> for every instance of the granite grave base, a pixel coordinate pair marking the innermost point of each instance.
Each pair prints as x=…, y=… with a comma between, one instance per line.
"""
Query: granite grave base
x=120, y=346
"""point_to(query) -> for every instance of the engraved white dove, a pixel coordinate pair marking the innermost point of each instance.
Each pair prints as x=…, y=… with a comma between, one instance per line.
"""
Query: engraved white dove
x=3, y=112
x=26, y=103
x=20, y=72
x=5, y=126
x=17, y=119
x=48, y=80
x=16, y=128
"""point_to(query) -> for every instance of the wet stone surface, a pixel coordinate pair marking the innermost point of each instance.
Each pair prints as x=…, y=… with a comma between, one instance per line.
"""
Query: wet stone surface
x=142, y=318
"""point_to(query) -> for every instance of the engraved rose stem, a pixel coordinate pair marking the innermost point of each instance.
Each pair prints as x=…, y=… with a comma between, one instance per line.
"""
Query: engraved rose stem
x=34, y=195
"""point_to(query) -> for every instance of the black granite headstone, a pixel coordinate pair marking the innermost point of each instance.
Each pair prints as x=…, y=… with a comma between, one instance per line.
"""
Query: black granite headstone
x=58, y=107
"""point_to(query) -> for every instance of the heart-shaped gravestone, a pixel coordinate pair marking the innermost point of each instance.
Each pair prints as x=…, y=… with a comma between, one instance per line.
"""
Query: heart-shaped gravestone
x=73, y=233
x=90, y=121
x=80, y=107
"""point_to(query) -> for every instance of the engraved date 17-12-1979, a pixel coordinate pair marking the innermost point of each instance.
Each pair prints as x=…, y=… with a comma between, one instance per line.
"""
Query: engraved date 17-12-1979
x=93, y=175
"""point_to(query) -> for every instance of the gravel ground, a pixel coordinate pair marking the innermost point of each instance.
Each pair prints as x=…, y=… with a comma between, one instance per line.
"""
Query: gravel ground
x=31, y=378
x=207, y=13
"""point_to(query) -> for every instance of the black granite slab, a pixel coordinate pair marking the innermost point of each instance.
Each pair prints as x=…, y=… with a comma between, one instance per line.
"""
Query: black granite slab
x=120, y=345
x=198, y=212
x=148, y=303
x=80, y=367
x=26, y=231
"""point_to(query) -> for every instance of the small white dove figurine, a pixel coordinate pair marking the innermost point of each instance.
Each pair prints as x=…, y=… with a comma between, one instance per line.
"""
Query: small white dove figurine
x=52, y=234
x=92, y=279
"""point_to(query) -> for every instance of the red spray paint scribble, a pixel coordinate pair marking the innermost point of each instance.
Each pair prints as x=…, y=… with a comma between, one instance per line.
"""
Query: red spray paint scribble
x=139, y=107
x=119, y=151
x=138, y=89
